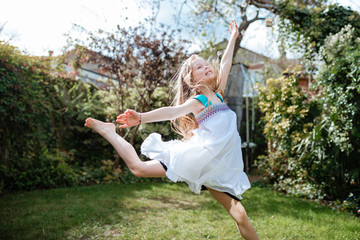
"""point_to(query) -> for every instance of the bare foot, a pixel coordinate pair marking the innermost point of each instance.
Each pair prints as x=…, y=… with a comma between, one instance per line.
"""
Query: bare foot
x=100, y=127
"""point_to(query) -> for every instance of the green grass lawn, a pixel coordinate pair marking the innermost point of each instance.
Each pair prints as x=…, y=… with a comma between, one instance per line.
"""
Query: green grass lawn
x=163, y=211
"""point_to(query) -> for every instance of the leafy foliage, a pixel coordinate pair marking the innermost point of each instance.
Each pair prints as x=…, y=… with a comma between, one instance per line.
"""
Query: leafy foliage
x=335, y=140
x=288, y=118
x=309, y=27
x=350, y=204
x=41, y=114
x=320, y=158
x=340, y=78
x=43, y=141
x=140, y=63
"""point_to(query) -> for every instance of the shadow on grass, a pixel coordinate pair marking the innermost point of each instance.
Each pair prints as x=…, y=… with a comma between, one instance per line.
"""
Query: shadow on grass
x=274, y=203
x=157, y=209
x=48, y=214
x=305, y=219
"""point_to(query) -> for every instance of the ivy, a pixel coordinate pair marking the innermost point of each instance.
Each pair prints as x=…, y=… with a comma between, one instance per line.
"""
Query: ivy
x=309, y=27
x=41, y=111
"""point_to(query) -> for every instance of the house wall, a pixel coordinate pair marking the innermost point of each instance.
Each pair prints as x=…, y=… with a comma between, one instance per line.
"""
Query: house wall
x=234, y=91
x=263, y=66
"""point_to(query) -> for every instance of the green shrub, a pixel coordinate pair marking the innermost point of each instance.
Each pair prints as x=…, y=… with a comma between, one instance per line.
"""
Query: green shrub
x=313, y=145
x=308, y=28
x=43, y=141
x=288, y=117
x=350, y=204
x=45, y=170
x=333, y=145
x=42, y=112
x=88, y=175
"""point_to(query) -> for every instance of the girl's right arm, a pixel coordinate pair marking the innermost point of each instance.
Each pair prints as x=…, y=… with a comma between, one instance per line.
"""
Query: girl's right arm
x=226, y=60
x=131, y=118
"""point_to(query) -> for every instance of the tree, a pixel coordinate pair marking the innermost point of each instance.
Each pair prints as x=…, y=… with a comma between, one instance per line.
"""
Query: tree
x=6, y=37
x=310, y=27
x=207, y=16
x=140, y=61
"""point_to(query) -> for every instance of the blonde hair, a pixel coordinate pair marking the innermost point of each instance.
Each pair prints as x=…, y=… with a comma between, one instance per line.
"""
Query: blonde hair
x=186, y=88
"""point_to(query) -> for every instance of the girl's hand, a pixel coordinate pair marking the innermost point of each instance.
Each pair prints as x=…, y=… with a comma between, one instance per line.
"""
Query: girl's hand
x=129, y=118
x=234, y=29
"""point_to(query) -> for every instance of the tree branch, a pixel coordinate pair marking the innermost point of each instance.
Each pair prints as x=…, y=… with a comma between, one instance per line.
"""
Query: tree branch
x=180, y=11
x=267, y=4
x=256, y=17
x=243, y=12
x=218, y=12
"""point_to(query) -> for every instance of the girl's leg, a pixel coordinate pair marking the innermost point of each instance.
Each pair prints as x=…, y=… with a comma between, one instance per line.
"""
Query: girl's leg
x=126, y=151
x=237, y=212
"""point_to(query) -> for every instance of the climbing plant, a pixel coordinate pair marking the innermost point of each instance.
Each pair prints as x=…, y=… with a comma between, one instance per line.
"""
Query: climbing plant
x=307, y=28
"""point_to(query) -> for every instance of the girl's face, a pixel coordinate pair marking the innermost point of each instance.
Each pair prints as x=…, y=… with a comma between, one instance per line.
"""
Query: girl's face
x=202, y=72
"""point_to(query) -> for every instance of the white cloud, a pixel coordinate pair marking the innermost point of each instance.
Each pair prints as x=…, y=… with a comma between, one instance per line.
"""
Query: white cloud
x=39, y=25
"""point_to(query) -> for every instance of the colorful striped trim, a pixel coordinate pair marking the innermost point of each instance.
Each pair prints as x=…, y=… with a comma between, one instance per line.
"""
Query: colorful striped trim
x=211, y=111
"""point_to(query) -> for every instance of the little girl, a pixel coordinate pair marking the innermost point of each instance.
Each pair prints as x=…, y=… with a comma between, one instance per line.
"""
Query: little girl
x=209, y=156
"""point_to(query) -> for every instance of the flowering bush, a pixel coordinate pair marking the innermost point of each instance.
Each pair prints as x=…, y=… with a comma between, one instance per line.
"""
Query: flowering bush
x=288, y=119
x=333, y=144
x=350, y=204
x=313, y=144
x=340, y=80
x=285, y=109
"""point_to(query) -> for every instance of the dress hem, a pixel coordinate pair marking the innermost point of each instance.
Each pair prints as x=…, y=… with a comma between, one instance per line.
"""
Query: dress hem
x=196, y=187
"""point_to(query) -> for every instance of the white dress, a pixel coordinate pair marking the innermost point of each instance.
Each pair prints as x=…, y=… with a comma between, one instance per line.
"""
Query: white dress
x=211, y=157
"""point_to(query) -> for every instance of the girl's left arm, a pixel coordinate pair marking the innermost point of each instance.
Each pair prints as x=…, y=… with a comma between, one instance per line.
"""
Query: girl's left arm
x=226, y=61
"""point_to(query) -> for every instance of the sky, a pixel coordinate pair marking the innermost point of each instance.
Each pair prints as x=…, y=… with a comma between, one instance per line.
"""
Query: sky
x=38, y=26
